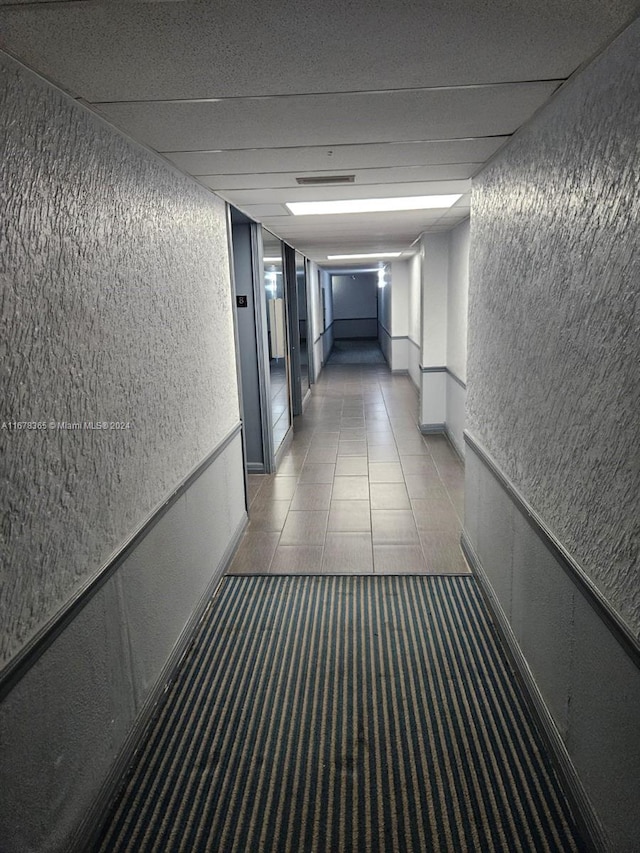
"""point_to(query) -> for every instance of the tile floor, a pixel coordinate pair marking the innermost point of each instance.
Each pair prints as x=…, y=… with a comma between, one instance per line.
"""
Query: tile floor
x=359, y=490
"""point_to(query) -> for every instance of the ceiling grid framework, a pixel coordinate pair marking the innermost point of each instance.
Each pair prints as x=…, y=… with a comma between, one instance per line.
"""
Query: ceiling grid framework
x=411, y=98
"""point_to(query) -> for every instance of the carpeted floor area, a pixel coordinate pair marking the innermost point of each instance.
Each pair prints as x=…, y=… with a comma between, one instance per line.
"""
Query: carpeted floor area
x=343, y=713
x=356, y=352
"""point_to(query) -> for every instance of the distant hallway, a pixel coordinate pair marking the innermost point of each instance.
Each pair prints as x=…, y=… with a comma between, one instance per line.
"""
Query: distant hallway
x=356, y=351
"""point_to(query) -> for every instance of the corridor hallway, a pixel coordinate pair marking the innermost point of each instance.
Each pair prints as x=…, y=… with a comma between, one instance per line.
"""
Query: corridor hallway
x=359, y=490
x=346, y=692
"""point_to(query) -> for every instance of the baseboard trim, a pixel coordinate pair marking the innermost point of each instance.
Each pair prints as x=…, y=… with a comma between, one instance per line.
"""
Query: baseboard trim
x=20, y=664
x=454, y=444
x=255, y=467
x=86, y=836
x=400, y=372
x=432, y=429
x=614, y=622
x=587, y=820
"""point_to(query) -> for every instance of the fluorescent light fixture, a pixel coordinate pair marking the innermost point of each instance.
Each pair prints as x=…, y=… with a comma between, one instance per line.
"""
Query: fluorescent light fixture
x=367, y=255
x=272, y=260
x=371, y=205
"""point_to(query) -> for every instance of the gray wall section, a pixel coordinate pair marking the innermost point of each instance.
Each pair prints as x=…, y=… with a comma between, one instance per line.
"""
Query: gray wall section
x=386, y=344
x=355, y=305
x=554, y=334
x=63, y=725
x=590, y=685
x=553, y=398
x=115, y=306
x=247, y=340
x=456, y=396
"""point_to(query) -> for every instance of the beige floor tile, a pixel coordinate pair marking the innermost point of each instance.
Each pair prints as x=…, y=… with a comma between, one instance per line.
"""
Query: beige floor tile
x=317, y=472
x=254, y=553
x=383, y=453
x=277, y=489
x=311, y=496
x=352, y=466
x=352, y=448
x=399, y=560
x=394, y=526
x=389, y=496
x=419, y=464
x=347, y=434
x=268, y=516
x=435, y=514
x=321, y=454
x=325, y=439
x=297, y=560
x=425, y=488
x=291, y=466
x=442, y=551
x=350, y=489
x=348, y=553
x=385, y=472
x=305, y=527
x=381, y=439
x=349, y=517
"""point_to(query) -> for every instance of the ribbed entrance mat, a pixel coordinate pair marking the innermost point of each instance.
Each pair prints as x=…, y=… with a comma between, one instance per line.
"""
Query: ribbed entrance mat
x=343, y=714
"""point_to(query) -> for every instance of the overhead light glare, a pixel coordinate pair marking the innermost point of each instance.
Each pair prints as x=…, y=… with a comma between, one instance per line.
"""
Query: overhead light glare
x=371, y=205
x=362, y=256
x=272, y=260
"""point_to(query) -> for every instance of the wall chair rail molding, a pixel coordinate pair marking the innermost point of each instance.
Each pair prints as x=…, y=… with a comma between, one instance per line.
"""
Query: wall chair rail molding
x=456, y=378
x=611, y=618
x=17, y=667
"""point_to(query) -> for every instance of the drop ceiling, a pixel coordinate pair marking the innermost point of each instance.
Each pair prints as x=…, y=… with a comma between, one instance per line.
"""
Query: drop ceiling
x=410, y=97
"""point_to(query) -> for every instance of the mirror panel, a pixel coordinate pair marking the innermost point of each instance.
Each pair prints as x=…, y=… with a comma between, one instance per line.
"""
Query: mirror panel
x=274, y=288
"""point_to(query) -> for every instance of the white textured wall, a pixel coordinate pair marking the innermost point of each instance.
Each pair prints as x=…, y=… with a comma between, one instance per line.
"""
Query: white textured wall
x=414, y=319
x=315, y=321
x=400, y=298
x=115, y=306
x=457, y=300
x=554, y=336
x=435, y=271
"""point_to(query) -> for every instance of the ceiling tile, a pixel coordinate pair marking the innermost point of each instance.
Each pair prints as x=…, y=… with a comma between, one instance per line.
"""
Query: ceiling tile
x=331, y=119
x=346, y=191
x=336, y=158
x=362, y=177
x=108, y=50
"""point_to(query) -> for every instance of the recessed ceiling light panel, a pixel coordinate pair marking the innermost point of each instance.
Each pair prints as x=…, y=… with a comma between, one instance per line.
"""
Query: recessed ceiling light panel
x=362, y=256
x=371, y=205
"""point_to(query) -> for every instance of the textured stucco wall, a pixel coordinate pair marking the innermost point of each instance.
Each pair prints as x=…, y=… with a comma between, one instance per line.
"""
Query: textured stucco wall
x=114, y=306
x=554, y=338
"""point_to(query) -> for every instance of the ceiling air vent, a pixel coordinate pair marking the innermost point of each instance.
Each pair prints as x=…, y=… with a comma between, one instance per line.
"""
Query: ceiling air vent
x=316, y=181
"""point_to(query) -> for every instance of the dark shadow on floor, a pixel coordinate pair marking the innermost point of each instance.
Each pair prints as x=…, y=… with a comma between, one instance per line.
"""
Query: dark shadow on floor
x=356, y=351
